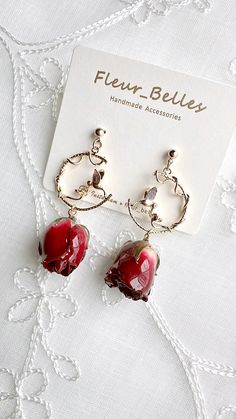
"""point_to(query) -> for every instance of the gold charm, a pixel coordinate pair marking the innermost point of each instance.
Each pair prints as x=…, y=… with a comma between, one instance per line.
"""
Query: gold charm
x=148, y=200
x=96, y=160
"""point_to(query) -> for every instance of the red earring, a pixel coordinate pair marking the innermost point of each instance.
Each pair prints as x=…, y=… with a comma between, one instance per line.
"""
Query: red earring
x=136, y=263
x=65, y=242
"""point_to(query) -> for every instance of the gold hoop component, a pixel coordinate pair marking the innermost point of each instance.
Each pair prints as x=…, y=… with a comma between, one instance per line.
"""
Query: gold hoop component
x=148, y=201
x=96, y=160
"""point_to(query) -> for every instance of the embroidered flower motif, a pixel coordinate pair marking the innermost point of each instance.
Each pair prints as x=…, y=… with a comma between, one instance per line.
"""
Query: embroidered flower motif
x=228, y=199
x=202, y=5
x=20, y=394
x=226, y=412
x=162, y=7
x=232, y=67
x=44, y=298
x=54, y=77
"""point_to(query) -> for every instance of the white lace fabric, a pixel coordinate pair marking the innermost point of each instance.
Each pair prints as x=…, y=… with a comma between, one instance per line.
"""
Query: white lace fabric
x=74, y=348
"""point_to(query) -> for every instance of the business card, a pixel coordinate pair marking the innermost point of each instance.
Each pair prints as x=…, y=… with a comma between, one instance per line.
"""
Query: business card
x=146, y=111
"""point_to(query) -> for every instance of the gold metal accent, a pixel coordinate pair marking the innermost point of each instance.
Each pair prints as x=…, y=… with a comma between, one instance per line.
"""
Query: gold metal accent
x=148, y=201
x=96, y=160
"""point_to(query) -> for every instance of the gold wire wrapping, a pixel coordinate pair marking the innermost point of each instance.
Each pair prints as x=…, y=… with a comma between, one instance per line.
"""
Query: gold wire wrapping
x=96, y=160
x=156, y=226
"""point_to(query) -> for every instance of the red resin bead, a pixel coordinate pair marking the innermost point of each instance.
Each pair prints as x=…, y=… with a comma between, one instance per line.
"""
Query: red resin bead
x=64, y=246
x=133, y=270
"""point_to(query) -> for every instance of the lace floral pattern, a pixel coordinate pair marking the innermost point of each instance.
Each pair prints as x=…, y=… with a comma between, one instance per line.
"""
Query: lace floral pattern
x=228, y=199
x=163, y=7
x=41, y=96
x=26, y=392
x=42, y=303
x=226, y=412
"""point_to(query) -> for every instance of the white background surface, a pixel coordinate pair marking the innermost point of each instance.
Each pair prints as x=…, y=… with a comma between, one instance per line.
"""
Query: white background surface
x=131, y=367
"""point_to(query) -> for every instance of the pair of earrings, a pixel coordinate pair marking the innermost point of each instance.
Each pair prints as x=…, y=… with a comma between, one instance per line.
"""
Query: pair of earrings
x=65, y=242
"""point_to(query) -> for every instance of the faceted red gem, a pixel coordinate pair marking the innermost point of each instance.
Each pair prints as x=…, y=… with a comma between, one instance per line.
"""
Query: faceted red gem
x=64, y=246
x=133, y=270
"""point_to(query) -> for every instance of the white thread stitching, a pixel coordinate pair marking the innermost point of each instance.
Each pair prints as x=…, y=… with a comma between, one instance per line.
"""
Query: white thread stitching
x=147, y=8
x=229, y=188
x=41, y=219
x=220, y=414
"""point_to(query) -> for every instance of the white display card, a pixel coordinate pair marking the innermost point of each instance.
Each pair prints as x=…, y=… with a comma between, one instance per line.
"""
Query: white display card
x=146, y=111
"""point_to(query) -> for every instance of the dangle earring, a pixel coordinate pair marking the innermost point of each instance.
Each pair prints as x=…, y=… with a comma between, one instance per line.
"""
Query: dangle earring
x=65, y=242
x=136, y=263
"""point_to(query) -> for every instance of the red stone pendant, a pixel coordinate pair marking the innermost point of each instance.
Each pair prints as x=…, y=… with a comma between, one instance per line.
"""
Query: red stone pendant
x=65, y=242
x=64, y=246
x=133, y=270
